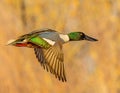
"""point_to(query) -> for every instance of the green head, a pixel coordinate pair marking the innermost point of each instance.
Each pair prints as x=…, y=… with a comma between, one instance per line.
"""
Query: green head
x=76, y=36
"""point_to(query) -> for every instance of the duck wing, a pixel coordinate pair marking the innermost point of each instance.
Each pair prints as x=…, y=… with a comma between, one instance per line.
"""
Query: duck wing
x=52, y=60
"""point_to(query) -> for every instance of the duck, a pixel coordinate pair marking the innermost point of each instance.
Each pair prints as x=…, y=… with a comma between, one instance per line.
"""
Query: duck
x=48, y=48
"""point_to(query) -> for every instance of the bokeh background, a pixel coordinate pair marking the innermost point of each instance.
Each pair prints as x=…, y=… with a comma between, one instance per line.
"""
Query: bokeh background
x=91, y=67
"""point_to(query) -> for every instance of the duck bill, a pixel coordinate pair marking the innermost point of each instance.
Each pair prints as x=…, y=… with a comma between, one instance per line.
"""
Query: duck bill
x=89, y=38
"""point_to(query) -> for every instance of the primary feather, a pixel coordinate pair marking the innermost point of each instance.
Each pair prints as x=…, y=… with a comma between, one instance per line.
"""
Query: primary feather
x=52, y=60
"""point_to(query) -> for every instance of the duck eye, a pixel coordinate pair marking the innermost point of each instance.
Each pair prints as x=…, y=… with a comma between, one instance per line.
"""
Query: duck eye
x=82, y=35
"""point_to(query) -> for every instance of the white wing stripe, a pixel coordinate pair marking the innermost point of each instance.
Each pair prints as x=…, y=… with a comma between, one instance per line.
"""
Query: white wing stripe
x=49, y=41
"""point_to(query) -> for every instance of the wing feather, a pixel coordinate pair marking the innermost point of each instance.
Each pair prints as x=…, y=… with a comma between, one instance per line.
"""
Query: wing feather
x=52, y=60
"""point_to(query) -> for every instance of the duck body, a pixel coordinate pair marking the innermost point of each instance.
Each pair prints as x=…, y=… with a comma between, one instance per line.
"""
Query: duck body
x=42, y=38
x=47, y=45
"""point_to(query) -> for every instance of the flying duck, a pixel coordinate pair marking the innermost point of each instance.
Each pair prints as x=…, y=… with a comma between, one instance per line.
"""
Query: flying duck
x=47, y=44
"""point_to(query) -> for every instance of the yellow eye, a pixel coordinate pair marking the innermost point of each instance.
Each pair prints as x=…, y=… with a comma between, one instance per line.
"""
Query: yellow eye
x=81, y=34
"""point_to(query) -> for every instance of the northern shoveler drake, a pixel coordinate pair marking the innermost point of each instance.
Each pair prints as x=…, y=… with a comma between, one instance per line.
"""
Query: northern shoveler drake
x=47, y=44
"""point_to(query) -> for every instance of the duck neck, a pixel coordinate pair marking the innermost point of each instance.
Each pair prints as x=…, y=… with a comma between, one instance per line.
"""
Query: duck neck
x=65, y=38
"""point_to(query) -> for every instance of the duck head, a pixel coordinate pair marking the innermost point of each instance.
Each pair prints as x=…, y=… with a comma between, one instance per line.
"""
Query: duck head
x=76, y=36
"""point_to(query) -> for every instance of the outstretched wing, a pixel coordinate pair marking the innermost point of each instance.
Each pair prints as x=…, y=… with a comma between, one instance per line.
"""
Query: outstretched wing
x=52, y=60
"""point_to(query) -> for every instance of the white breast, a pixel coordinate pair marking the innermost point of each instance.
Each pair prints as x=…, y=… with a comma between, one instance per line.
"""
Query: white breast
x=65, y=38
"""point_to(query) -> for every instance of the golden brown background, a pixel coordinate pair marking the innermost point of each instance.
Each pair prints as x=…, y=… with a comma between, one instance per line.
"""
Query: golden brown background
x=90, y=67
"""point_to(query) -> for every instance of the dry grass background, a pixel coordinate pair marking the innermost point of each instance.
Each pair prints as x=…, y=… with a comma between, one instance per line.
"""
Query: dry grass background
x=90, y=67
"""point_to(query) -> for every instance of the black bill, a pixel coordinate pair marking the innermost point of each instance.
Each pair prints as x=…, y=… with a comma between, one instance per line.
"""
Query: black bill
x=89, y=38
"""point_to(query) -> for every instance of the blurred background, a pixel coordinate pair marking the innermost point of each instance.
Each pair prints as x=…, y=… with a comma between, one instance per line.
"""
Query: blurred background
x=91, y=67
